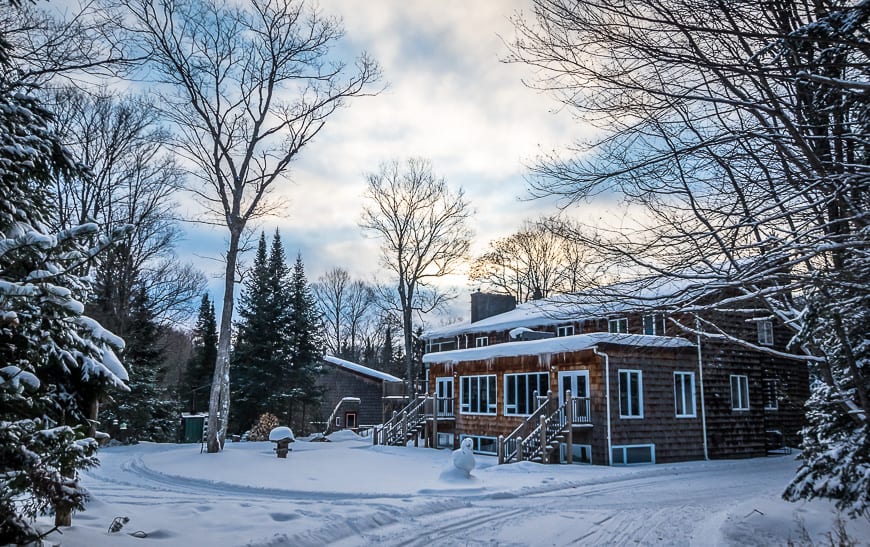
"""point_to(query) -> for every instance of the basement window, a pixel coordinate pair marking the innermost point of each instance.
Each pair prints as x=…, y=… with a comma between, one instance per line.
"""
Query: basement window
x=481, y=444
x=631, y=454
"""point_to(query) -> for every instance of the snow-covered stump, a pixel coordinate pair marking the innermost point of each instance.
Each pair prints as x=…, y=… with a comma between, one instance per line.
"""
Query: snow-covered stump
x=282, y=436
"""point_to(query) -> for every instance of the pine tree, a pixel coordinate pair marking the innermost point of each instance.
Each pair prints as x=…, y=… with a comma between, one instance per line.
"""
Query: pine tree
x=262, y=357
x=306, y=346
x=54, y=358
x=200, y=368
x=148, y=412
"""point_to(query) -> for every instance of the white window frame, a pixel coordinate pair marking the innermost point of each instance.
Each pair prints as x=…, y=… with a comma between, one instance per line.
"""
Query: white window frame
x=765, y=332
x=531, y=404
x=633, y=414
x=613, y=325
x=445, y=440
x=625, y=447
x=465, y=384
x=741, y=381
x=680, y=399
x=564, y=330
x=771, y=394
x=481, y=341
x=657, y=321
x=475, y=446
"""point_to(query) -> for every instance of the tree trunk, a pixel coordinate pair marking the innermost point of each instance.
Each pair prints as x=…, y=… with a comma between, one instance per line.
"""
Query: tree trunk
x=409, y=347
x=219, y=400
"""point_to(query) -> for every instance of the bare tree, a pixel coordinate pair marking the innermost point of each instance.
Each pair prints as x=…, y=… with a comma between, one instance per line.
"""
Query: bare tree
x=740, y=129
x=424, y=235
x=330, y=291
x=534, y=262
x=134, y=181
x=246, y=87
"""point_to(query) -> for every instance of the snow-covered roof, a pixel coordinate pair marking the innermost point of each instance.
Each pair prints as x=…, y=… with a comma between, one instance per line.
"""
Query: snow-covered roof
x=556, y=345
x=596, y=303
x=360, y=369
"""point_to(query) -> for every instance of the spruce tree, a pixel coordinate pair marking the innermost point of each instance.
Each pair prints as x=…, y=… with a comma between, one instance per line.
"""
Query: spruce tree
x=262, y=356
x=200, y=368
x=53, y=358
x=306, y=346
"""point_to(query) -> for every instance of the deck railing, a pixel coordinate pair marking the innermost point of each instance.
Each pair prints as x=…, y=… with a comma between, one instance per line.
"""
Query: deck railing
x=395, y=430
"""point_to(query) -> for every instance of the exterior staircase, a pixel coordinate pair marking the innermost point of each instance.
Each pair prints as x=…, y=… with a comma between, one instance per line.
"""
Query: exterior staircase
x=406, y=424
x=538, y=438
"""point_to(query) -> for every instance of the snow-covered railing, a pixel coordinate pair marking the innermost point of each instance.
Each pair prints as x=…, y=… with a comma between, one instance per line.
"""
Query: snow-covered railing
x=396, y=430
x=343, y=402
x=532, y=437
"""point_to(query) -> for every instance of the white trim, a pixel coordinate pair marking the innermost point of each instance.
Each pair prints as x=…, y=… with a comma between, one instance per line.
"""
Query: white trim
x=625, y=447
x=606, y=400
x=565, y=330
x=489, y=404
x=616, y=321
x=563, y=449
x=572, y=373
x=531, y=404
x=629, y=373
x=765, y=332
x=679, y=396
x=742, y=392
x=481, y=341
x=771, y=396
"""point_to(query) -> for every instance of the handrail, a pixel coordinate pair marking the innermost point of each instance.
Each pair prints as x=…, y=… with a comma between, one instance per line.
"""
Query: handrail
x=396, y=429
x=528, y=440
x=331, y=421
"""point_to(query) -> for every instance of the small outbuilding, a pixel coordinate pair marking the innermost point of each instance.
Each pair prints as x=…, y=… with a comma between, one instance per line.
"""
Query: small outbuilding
x=371, y=391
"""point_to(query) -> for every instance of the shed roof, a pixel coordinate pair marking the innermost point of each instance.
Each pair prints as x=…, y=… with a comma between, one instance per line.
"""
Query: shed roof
x=360, y=369
x=563, y=344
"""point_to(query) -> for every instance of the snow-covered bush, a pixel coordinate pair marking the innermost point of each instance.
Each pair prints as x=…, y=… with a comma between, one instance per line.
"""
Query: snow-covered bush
x=265, y=424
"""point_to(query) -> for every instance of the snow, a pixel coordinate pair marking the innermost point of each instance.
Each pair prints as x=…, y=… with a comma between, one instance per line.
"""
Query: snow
x=281, y=433
x=352, y=493
x=561, y=344
x=361, y=369
x=463, y=458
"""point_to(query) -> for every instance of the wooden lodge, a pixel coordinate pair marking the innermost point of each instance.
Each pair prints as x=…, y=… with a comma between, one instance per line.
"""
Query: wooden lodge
x=562, y=380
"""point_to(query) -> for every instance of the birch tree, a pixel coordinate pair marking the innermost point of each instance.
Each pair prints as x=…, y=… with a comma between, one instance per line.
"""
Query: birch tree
x=246, y=87
x=424, y=235
x=740, y=130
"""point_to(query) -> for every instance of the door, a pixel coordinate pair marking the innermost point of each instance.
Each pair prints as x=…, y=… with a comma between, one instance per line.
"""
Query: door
x=444, y=392
x=350, y=420
x=578, y=382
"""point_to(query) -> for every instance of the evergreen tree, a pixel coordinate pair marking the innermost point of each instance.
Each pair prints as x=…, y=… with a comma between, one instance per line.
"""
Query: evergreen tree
x=53, y=358
x=306, y=347
x=200, y=368
x=261, y=357
x=148, y=412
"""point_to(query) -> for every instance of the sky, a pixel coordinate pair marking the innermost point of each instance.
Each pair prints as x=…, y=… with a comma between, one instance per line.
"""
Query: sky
x=448, y=98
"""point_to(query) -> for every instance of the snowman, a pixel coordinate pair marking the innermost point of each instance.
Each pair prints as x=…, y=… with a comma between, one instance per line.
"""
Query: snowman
x=463, y=459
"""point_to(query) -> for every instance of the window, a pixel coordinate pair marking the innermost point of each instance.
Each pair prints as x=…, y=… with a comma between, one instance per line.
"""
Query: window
x=765, y=332
x=519, y=392
x=633, y=453
x=630, y=394
x=483, y=445
x=581, y=453
x=338, y=421
x=618, y=325
x=565, y=330
x=481, y=341
x=771, y=394
x=477, y=394
x=654, y=324
x=684, y=394
x=350, y=420
x=445, y=440
x=739, y=392
x=426, y=378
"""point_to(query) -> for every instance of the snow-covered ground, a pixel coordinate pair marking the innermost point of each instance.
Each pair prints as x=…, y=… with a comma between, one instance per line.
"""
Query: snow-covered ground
x=350, y=493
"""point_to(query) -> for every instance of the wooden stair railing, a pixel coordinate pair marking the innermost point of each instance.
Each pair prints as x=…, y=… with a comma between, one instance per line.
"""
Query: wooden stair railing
x=404, y=424
x=542, y=432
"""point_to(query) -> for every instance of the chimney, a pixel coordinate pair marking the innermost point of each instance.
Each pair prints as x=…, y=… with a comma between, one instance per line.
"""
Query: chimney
x=485, y=305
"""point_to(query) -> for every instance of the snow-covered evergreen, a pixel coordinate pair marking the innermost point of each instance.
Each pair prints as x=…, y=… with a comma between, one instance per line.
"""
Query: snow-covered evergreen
x=54, y=361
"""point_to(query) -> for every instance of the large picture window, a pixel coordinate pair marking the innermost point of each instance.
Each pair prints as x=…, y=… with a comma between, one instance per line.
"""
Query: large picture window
x=684, y=394
x=630, y=394
x=519, y=392
x=477, y=394
x=739, y=392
